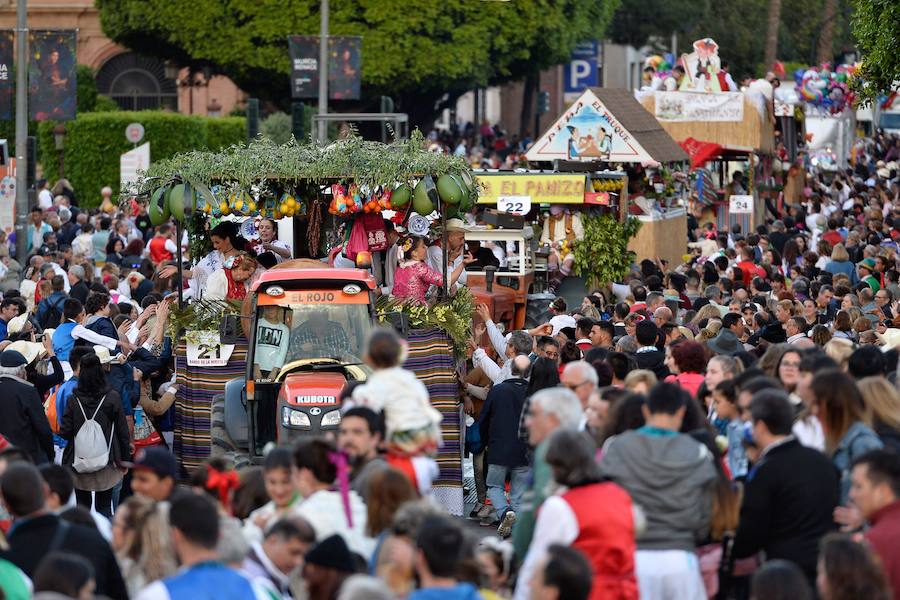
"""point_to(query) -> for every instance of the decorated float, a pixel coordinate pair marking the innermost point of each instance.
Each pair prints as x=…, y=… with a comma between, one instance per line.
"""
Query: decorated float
x=331, y=203
x=723, y=129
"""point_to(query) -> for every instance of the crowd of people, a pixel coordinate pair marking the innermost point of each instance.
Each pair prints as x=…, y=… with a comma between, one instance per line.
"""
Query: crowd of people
x=723, y=428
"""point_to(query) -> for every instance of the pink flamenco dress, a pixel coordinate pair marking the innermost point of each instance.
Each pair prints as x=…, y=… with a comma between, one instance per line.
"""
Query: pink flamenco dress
x=412, y=279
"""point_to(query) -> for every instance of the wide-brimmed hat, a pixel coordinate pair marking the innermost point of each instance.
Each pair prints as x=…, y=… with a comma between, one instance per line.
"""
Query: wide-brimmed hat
x=30, y=350
x=725, y=343
x=17, y=324
x=890, y=339
x=455, y=225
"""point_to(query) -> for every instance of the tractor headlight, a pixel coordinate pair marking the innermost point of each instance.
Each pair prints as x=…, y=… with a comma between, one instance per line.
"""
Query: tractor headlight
x=331, y=419
x=293, y=418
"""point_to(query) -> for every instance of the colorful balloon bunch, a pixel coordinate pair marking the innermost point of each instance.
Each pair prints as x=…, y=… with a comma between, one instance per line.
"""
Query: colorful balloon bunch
x=662, y=64
x=825, y=88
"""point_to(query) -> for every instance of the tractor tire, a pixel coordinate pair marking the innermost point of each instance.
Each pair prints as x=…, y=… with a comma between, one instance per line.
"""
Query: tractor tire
x=222, y=446
x=537, y=310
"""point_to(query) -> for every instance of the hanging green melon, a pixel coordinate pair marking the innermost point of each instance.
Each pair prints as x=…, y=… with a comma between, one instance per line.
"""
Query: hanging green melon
x=450, y=189
x=181, y=200
x=400, y=196
x=158, y=210
x=421, y=203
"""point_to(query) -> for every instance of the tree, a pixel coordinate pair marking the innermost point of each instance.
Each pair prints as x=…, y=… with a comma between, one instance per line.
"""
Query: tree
x=876, y=25
x=825, y=47
x=773, y=23
x=421, y=52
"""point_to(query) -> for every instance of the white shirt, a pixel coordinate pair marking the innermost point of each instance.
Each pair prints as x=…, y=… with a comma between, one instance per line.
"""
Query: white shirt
x=325, y=512
x=45, y=199
x=271, y=345
x=435, y=260
x=60, y=271
x=556, y=524
x=809, y=432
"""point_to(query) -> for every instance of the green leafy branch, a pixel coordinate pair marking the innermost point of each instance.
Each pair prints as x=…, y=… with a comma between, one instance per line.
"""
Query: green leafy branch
x=454, y=316
x=603, y=255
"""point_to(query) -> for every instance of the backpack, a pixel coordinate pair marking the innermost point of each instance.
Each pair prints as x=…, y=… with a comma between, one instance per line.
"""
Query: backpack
x=50, y=410
x=52, y=317
x=91, y=448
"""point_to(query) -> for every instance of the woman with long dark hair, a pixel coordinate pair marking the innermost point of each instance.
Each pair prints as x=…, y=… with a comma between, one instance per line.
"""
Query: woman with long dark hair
x=849, y=571
x=544, y=374
x=93, y=399
x=227, y=244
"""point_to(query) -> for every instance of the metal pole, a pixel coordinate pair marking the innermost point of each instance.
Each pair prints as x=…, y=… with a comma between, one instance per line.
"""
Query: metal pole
x=323, y=71
x=21, y=130
x=537, y=110
x=178, y=234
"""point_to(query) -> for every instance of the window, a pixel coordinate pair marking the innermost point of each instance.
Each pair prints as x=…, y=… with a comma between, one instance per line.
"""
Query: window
x=137, y=82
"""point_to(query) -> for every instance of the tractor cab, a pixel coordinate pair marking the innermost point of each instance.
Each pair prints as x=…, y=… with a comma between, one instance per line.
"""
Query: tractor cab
x=307, y=328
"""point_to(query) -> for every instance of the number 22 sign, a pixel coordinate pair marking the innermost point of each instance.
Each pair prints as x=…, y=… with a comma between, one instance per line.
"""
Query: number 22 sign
x=514, y=205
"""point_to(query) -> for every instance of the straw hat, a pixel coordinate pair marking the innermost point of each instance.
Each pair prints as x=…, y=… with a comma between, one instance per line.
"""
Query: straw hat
x=890, y=339
x=30, y=350
x=105, y=358
x=17, y=324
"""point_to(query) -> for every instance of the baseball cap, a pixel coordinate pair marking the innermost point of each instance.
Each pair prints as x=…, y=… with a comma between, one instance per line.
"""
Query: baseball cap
x=158, y=460
x=11, y=359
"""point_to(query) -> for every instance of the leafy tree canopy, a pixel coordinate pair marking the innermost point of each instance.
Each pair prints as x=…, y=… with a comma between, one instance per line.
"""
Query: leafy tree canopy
x=738, y=27
x=415, y=50
x=876, y=24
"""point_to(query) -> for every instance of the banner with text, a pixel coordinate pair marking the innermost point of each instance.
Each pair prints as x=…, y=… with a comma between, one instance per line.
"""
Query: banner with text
x=699, y=106
x=544, y=188
x=51, y=75
x=7, y=85
x=343, y=67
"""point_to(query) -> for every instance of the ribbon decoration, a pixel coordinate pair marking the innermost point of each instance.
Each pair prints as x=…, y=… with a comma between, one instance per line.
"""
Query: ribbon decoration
x=339, y=460
x=222, y=482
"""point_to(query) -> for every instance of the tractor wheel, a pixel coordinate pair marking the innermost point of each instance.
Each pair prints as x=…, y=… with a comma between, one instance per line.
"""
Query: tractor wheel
x=222, y=444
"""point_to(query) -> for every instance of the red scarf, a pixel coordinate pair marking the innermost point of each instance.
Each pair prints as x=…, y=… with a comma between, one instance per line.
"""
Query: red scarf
x=236, y=289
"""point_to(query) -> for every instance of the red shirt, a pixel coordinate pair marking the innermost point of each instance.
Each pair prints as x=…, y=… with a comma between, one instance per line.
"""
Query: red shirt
x=606, y=537
x=750, y=270
x=158, y=251
x=884, y=537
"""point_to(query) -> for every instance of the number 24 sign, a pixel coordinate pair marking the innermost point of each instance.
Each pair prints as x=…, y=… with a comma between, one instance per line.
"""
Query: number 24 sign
x=740, y=204
x=514, y=205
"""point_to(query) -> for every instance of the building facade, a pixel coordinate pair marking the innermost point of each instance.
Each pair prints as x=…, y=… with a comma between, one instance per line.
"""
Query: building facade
x=133, y=81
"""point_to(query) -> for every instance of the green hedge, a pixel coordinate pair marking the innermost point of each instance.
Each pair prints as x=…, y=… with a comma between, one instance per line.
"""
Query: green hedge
x=94, y=142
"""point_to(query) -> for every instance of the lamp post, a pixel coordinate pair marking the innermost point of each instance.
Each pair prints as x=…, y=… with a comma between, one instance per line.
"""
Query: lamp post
x=172, y=70
x=59, y=138
x=323, y=70
x=21, y=128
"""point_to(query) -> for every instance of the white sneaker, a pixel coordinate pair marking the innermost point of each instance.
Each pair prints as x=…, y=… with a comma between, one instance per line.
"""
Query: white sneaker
x=485, y=511
x=506, y=525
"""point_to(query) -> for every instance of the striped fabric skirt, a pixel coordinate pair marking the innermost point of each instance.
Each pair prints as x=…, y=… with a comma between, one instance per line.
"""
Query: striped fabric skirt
x=193, y=404
x=431, y=359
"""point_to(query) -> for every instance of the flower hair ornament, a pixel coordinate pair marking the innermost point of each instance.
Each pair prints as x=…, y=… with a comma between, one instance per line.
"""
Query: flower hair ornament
x=222, y=482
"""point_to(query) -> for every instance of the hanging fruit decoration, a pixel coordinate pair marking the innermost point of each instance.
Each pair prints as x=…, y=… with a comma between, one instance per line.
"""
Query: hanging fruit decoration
x=400, y=196
x=158, y=209
x=450, y=188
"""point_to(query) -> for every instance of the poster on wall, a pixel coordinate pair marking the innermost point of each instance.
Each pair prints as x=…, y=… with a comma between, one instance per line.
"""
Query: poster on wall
x=51, y=75
x=343, y=67
x=7, y=85
x=588, y=131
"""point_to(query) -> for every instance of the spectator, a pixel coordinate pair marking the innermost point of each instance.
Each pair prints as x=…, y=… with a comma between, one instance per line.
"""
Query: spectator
x=439, y=552
x=271, y=562
x=154, y=473
x=847, y=571
x=648, y=356
x=592, y=515
x=361, y=433
x=38, y=532
x=686, y=361
x=875, y=493
x=326, y=567
x=68, y=575
x=282, y=496
x=50, y=310
x=22, y=418
x=780, y=580
x=194, y=526
x=580, y=377
x=565, y=574
x=142, y=543
x=507, y=455
x=671, y=476
x=790, y=494
x=79, y=289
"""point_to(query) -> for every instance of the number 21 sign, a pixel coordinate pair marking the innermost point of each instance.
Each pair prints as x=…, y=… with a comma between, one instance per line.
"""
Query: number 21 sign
x=514, y=205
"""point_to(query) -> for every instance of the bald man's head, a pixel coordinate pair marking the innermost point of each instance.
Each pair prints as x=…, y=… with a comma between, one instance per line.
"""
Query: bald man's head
x=521, y=366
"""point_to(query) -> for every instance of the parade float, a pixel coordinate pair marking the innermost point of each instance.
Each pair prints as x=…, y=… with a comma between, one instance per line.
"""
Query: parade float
x=830, y=117
x=627, y=187
x=333, y=201
x=723, y=131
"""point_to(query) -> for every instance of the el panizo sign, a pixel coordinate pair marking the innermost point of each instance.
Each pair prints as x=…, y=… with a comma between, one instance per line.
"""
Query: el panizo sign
x=544, y=188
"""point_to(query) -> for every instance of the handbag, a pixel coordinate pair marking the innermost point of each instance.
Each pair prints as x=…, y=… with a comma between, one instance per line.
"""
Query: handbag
x=358, y=241
x=145, y=434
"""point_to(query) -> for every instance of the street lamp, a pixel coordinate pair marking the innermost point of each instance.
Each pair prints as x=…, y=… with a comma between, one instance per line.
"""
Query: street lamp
x=171, y=70
x=59, y=138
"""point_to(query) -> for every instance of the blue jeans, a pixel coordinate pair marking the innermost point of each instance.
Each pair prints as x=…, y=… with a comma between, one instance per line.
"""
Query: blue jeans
x=496, y=486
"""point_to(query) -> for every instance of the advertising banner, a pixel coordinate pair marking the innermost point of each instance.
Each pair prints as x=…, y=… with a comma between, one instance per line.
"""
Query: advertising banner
x=51, y=75
x=699, y=106
x=546, y=188
x=7, y=85
x=343, y=67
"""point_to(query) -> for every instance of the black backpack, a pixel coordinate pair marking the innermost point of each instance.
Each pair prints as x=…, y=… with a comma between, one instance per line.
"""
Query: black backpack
x=53, y=315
